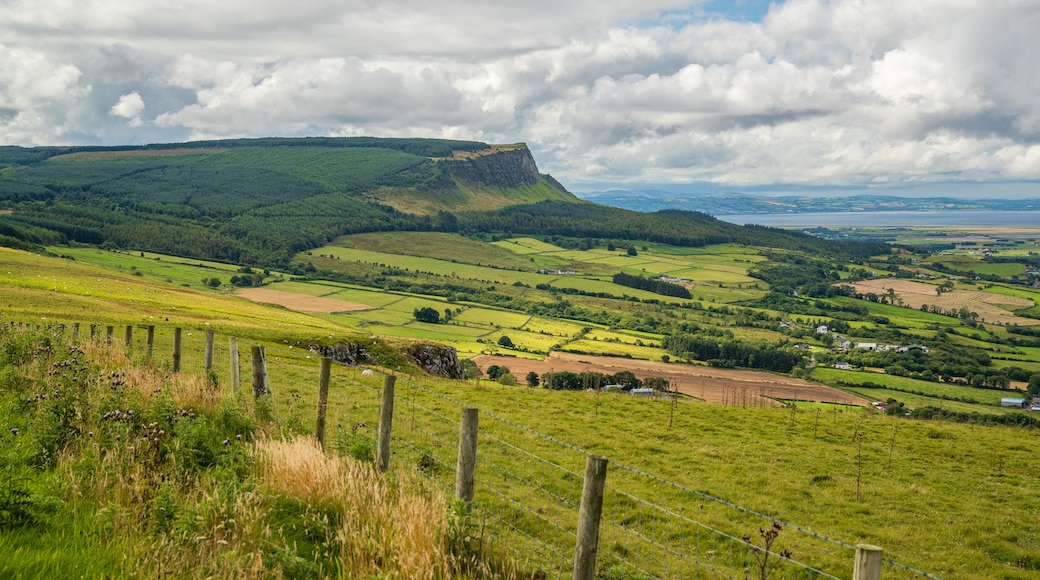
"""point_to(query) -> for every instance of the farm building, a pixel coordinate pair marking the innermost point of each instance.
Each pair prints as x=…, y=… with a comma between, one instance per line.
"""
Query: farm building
x=843, y=366
x=1013, y=402
x=642, y=392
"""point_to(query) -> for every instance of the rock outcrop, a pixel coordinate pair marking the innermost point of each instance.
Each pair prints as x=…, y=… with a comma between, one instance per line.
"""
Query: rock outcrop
x=437, y=359
x=505, y=169
x=348, y=353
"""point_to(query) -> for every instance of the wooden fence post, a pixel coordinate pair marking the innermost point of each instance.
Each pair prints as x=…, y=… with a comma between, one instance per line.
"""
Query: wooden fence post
x=868, y=563
x=93, y=332
x=386, y=419
x=151, y=341
x=129, y=336
x=75, y=332
x=176, y=350
x=209, y=350
x=259, y=371
x=109, y=331
x=236, y=381
x=323, y=398
x=465, y=472
x=588, y=518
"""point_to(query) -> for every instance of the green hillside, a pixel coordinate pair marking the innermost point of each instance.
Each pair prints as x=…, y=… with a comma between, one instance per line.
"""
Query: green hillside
x=261, y=201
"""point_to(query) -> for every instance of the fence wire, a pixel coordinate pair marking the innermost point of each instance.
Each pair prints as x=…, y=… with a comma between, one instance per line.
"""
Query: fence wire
x=527, y=504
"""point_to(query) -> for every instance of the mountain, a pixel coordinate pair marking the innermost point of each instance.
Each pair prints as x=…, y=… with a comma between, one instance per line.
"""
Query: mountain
x=262, y=201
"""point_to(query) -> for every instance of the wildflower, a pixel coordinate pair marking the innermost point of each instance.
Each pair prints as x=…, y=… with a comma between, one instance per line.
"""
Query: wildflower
x=239, y=436
x=226, y=441
x=14, y=431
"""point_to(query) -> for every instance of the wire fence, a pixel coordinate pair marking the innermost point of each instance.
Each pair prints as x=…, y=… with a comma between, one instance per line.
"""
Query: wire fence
x=529, y=484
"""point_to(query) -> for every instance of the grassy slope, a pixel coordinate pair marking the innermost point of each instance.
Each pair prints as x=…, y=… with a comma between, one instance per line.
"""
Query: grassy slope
x=38, y=288
x=973, y=484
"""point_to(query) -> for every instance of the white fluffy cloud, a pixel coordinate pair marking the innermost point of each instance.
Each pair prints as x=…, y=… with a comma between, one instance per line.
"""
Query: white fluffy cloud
x=129, y=107
x=817, y=92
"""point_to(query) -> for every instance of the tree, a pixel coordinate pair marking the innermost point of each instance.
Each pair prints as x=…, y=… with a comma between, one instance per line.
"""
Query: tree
x=532, y=379
x=632, y=251
x=627, y=380
x=507, y=379
x=427, y=314
x=1034, y=384
x=505, y=341
x=496, y=371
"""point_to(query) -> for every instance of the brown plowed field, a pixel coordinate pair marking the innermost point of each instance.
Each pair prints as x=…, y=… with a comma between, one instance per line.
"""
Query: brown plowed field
x=300, y=302
x=726, y=386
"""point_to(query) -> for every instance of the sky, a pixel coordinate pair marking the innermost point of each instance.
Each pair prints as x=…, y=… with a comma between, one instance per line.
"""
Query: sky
x=886, y=95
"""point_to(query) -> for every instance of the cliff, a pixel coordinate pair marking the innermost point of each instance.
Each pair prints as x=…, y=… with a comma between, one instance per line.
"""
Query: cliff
x=502, y=166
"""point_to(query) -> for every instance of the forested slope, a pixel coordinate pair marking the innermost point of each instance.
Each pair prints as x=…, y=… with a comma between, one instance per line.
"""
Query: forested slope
x=260, y=201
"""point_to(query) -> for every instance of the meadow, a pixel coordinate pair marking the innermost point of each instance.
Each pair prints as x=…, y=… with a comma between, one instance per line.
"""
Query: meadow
x=620, y=327
x=850, y=474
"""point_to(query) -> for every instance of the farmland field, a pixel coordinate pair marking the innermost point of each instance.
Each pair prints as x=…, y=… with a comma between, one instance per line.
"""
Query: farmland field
x=986, y=304
x=907, y=385
x=705, y=383
x=299, y=302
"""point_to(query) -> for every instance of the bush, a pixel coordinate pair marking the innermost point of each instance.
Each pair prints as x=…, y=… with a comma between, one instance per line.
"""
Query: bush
x=507, y=379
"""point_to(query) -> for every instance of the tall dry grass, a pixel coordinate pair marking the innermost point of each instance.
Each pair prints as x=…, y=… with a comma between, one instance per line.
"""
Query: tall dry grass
x=388, y=529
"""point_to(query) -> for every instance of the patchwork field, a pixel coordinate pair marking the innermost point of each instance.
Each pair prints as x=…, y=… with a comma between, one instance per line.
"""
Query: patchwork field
x=988, y=305
x=727, y=386
x=300, y=302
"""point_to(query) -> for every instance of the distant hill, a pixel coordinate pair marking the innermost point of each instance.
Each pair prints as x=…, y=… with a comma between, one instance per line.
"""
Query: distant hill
x=261, y=201
x=647, y=200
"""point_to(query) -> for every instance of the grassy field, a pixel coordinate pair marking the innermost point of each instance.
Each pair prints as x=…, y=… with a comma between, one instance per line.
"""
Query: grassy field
x=934, y=391
x=39, y=288
x=974, y=484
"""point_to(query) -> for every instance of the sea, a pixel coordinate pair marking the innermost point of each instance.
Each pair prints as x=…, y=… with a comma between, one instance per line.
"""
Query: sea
x=938, y=218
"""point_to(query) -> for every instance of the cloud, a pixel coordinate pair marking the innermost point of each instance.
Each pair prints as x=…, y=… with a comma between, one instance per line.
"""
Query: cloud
x=129, y=107
x=816, y=92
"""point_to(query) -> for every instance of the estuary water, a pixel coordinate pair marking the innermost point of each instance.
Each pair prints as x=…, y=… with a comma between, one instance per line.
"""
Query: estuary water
x=939, y=218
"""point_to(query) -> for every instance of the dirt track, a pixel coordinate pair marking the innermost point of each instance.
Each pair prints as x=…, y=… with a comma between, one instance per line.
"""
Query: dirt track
x=725, y=386
x=300, y=302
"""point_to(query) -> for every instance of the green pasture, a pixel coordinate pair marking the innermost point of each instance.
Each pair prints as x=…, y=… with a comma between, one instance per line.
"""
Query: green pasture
x=523, y=341
x=719, y=274
x=440, y=246
x=626, y=337
x=39, y=287
x=592, y=285
x=913, y=401
x=180, y=271
x=984, y=397
x=618, y=349
x=525, y=246
x=909, y=317
x=492, y=318
x=716, y=251
x=437, y=267
x=370, y=297
x=553, y=327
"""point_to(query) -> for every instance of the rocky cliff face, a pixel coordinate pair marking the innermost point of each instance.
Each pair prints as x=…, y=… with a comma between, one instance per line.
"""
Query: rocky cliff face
x=507, y=168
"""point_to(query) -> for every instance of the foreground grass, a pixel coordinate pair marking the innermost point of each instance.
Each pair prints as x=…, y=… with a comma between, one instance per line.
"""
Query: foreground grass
x=112, y=469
